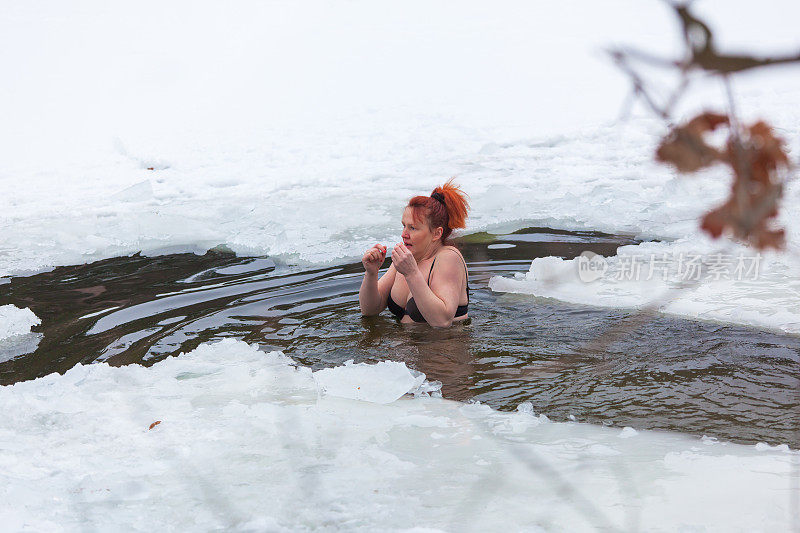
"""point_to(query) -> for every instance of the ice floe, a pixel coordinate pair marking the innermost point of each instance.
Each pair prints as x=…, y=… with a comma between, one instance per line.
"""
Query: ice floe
x=15, y=321
x=694, y=278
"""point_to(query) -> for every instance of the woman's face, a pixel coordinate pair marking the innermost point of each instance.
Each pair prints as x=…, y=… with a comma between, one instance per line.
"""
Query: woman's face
x=417, y=235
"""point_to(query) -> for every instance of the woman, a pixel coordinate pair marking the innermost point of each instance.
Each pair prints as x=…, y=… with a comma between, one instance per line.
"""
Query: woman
x=427, y=281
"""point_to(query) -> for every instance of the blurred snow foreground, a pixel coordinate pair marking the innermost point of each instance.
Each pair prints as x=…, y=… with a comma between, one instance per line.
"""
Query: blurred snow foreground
x=248, y=442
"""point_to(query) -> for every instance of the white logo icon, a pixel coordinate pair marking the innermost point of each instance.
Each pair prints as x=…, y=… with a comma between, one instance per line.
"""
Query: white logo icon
x=591, y=266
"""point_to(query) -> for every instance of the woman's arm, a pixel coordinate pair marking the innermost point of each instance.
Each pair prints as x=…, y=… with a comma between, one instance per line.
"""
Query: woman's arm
x=374, y=292
x=439, y=301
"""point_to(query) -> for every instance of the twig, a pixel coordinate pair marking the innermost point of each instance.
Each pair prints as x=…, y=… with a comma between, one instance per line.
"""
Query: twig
x=638, y=84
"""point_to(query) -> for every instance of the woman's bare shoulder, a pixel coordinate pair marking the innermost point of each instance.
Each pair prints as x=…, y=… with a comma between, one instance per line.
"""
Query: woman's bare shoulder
x=453, y=253
x=449, y=259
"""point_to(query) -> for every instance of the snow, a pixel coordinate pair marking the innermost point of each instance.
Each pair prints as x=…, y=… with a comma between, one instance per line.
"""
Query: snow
x=245, y=442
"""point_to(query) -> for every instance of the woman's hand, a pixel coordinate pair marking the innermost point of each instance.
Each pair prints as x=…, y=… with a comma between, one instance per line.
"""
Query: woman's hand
x=403, y=260
x=373, y=258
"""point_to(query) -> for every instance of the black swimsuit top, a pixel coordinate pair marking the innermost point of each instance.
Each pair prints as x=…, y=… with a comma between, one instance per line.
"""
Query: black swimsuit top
x=411, y=308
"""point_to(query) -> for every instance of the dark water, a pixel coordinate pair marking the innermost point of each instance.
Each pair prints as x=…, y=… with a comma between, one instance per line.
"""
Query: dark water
x=731, y=382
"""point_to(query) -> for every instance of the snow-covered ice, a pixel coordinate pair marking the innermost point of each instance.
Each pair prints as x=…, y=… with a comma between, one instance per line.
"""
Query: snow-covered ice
x=764, y=293
x=246, y=443
x=301, y=132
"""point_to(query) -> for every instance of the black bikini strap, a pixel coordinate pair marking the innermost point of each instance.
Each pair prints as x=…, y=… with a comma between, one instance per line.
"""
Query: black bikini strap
x=466, y=275
x=431, y=272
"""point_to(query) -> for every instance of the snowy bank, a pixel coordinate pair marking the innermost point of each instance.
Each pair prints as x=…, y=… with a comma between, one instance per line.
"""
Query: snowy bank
x=246, y=441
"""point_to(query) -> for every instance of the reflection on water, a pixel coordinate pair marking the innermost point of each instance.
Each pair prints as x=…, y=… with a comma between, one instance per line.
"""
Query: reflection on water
x=731, y=382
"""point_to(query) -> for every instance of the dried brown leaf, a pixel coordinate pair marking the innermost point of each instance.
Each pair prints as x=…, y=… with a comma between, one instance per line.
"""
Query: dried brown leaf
x=685, y=146
x=756, y=159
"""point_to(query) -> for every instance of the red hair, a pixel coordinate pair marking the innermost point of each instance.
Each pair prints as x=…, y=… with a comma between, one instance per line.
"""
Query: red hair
x=448, y=215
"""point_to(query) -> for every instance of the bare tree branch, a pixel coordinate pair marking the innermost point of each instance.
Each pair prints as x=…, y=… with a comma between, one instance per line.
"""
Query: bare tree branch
x=699, y=40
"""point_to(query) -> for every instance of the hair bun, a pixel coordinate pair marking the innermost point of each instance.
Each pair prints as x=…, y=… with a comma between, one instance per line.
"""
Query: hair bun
x=436, y=195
